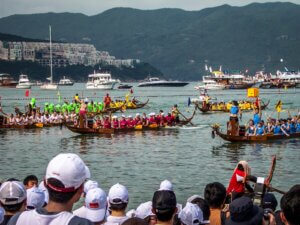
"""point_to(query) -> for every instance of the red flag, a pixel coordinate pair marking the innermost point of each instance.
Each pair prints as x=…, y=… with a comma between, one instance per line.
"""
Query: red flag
x=27, y=93
x=131, y=91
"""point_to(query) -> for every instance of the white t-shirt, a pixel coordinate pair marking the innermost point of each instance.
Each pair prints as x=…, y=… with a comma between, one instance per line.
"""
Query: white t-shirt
x=80, y=212
x=114, y=220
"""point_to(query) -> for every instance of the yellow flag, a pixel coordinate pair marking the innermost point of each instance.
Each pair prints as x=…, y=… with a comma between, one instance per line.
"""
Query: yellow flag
x=127, y=96
x=278, y=106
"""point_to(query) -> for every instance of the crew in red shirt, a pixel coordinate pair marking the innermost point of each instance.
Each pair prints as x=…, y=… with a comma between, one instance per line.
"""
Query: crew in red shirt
x=170, y=119
x=106, y=123
x=152, y=119
x=137, y=119
x=115, y=122
x=123, y=122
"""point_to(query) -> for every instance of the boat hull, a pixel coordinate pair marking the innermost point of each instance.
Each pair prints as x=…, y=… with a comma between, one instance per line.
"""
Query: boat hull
x=49, y=87
x=99, y=86
x=27, y=86
x=164, y=84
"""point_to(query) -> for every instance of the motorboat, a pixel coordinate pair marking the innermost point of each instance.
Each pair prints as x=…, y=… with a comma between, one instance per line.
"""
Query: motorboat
x=51, y=85
x=7, y=81
x=210, y=85
x=156, y=82
x=24, y=82
x=124, y=86
x=101, y=80
x=65, y=82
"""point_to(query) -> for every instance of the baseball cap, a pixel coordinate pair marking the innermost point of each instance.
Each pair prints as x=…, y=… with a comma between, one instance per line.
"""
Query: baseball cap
x=164, y=200
x=166, y=185
x=118, y=194
x=137, y=114
x=69, y=169
x=96, y=205
x=44, y=189
x=12, y=192
x=144, y=210
x=269, y=201
x=2, y=213
x=90, y=184
x=191, y=214
x=193, y=197
x=35, y=198
x=244, y=212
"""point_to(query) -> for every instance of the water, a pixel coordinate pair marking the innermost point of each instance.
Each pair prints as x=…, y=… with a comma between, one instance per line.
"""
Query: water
x=189, y=157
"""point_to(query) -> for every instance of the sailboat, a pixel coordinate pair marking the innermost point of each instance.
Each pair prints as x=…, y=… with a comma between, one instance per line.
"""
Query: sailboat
x=51, y=85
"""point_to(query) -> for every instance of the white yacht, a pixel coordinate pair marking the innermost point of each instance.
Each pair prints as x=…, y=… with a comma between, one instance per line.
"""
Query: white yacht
x=156, y=82
x=51, y=85
x=23, y=82
x=65, y=82
x=289, y=77
x=101, y=80
x=209, y=84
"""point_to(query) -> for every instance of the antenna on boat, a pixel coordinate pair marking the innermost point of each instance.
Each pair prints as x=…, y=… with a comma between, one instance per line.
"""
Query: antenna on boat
x=51, y=72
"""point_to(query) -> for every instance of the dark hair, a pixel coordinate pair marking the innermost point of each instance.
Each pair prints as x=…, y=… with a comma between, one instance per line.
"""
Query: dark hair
x=165, y=215
x=215, y=194
x=12, y=179
x=59, y=197
x=240, y=167
x=29, y=178
x=203, y=205
x=290, y=205
x=135, y=221
x=118, y=207
x=176, y=220
x=13, y=208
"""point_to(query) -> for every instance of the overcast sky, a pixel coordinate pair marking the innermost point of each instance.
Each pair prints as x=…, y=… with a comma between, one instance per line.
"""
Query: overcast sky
x=92, y=7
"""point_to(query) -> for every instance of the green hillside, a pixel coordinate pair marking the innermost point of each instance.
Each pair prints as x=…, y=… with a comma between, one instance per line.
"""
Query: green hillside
x=179, y=42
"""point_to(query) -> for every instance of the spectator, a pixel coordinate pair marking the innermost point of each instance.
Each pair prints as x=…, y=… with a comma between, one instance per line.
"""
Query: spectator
x=30, y=181
x=35, y=198
x=269, y=201
x=215, y=195
x=166, y=186
x=44, y=189
x=144, y=211
x=290, y=206
x=65, y=176
x=164, y=206
x=88, y=185
x=118, y=199
x=191, y=214
x=12, y=199
x=203, y=205
x=95, y=206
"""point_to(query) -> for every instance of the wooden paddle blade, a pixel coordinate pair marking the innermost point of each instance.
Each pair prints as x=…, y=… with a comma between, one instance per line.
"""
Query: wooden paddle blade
x=271, y=171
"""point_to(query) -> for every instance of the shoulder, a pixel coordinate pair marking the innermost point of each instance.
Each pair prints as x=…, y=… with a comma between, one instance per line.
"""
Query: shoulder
x=14, y=219
x=79, y=221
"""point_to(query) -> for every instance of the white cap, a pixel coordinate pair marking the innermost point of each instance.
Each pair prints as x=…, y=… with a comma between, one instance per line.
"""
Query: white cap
x=131, y=213
x=123, y=116
x=12, y=192
x=69, y=169
x=193, y=197
x=166, y=186
x=191, y=214
x=137, y=114
x=118, y=194
x=130, y=116
x=96, y=205
x=90, y=184
x=144, y=210
x=44, y=189
x=152, y=114
x=35, y=198
x=2, y=213
x=114, y=117
x=88, y=172
x=86, y=100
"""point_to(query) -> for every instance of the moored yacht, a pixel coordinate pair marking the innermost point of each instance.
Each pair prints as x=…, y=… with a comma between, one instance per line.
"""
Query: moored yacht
x=24, y=82
x=7, y=81
x=101, y=80
x=65, y=82
x=156, y=82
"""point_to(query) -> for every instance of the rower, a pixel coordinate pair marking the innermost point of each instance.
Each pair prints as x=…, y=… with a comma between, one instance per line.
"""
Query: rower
x=115, y=122
x=170, y=119
x=106, y=123
x=82, y=113
x=175, y=113
x=145, y=120
x=152, y=119
x=130, y=122
x=76, y=98
x=107, y=101
x=260, y=129
x=257, y=113
x=250, y=129
x=137, y=119
x=233, y=124
x=123, y=122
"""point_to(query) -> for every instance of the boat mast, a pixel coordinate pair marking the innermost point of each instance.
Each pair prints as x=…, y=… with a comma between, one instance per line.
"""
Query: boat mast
x=51, y=75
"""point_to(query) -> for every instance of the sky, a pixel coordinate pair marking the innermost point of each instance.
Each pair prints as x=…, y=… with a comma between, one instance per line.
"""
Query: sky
x=93, y=7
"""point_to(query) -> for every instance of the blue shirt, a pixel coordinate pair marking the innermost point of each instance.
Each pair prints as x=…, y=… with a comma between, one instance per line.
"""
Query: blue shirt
x=277, y=129
x=292, y=128
x=260, y=130
x=256, y=118
x=298, y=127
x=234, y=110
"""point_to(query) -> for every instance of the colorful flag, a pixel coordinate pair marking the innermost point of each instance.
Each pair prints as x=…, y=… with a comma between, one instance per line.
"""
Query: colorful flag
x=27, y=93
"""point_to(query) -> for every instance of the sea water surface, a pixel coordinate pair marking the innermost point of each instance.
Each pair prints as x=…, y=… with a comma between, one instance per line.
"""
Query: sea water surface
x=187, y=156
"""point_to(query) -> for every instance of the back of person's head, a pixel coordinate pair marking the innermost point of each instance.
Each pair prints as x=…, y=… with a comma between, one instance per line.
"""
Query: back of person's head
x=191, y=214
x=269, y=201
x=118, y=197
x=203, y=205
x=134, y=221
x=166, y=185
x=215, y=194
x=290, y=206
x=30, y=181
x=164, y=205
x=65, y=177
x=35, y=198
x=13, y=196
x=96, y=205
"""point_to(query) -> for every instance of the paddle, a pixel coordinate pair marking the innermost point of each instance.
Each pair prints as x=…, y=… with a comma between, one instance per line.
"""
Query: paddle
x=185, y=118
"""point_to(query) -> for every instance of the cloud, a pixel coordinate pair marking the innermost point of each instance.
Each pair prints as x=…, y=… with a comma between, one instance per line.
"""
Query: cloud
x=92, y=7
